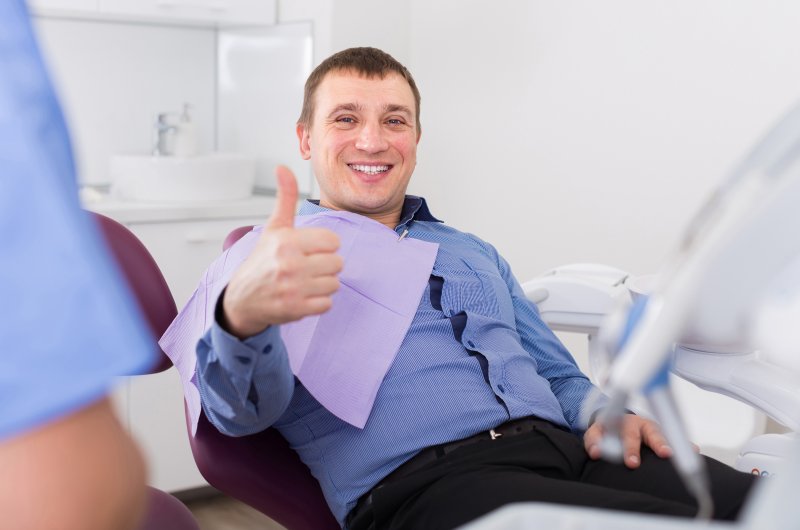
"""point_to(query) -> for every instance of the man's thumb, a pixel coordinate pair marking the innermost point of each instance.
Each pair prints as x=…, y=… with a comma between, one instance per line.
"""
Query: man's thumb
x=286, y=200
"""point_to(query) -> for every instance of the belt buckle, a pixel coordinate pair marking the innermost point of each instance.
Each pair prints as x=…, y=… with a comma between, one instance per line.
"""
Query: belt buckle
x=494, y=435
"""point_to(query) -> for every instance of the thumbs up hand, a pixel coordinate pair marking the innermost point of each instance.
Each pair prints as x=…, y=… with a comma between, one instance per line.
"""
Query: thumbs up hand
x=291, y=273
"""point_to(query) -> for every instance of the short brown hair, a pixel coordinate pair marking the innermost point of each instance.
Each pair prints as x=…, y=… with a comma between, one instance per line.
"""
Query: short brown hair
x=369, y=62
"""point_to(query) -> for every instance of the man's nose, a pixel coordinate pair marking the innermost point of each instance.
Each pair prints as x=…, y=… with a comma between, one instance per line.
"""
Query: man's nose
x=371, y=139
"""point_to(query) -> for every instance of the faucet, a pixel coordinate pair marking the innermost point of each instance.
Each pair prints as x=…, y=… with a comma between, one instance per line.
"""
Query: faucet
x=164, y=136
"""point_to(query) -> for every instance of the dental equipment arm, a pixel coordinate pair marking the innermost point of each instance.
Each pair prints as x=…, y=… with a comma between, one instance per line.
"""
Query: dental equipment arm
x=744, y=236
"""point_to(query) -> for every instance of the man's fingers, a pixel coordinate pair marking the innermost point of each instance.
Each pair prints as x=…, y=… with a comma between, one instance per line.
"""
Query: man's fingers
x=322, y=286
x=635, y=430
x=655, y=440
x=313, y=240
x=591, y=441
x=324, y=264
x=632, y=441
x=317, y=305
x=286, y=200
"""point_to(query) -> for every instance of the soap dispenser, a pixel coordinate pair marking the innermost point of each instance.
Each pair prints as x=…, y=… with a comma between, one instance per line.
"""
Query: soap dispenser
x=186, y=137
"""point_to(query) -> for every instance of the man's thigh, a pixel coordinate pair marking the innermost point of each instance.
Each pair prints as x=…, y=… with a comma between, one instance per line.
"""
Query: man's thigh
x=461, y=497
x=657, y=476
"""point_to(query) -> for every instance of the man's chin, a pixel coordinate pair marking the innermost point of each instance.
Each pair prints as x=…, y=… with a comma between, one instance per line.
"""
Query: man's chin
x=364, y=204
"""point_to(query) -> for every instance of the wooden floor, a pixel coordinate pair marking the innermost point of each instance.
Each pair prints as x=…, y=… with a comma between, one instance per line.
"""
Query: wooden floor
x=218, y=512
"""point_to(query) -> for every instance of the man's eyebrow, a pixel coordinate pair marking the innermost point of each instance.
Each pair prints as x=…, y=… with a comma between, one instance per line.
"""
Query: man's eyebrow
x=345, y=107
x=398, y=108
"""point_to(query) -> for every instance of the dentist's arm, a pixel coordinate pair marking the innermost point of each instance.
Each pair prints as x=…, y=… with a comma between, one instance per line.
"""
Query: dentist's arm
x=81, y=472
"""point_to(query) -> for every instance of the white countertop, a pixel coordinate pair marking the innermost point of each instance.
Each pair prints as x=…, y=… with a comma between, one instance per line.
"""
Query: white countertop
x=151, y=212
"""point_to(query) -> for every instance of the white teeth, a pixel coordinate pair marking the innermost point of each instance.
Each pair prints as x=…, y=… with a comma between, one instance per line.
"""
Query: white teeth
x=371, y=170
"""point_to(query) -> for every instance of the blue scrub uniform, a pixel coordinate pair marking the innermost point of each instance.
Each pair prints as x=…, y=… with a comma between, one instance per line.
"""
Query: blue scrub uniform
x=68, y=324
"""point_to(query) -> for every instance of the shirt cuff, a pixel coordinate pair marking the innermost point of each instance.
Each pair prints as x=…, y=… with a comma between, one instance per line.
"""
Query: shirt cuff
x=244, y=358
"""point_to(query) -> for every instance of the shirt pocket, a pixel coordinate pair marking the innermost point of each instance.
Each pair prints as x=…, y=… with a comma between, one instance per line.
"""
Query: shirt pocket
x=475, y=288
x=496, y=300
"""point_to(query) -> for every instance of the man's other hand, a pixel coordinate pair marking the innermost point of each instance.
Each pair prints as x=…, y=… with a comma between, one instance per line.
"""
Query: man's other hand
x=635, y=431
x=291, y=273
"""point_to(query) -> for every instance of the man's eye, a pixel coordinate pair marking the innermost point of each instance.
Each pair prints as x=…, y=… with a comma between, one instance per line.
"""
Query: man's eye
x=345, y=119
x=395, y=121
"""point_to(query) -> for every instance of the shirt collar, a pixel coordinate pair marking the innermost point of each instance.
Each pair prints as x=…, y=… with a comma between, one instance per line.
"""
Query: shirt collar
x=414, y=209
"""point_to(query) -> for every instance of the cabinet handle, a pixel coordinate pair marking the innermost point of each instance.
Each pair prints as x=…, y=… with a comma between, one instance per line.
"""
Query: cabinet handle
x=211, y=5
x=218, y=5
x=169, y=4
x=196, y=238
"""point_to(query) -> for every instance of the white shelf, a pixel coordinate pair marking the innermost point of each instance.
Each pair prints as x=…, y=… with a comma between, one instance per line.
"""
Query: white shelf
x=125, y=212
x=193, y=13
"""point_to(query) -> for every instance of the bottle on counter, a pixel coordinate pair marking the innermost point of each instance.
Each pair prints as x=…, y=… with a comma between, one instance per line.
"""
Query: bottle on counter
x=186, y=134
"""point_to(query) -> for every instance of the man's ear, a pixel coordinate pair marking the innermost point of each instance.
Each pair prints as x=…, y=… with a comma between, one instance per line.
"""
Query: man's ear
x=303, y=136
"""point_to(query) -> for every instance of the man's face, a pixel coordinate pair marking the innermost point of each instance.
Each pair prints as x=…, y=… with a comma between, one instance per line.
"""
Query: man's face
x=362, y=143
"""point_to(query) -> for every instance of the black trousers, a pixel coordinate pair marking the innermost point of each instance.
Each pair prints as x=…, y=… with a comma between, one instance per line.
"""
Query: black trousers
x=546, y=465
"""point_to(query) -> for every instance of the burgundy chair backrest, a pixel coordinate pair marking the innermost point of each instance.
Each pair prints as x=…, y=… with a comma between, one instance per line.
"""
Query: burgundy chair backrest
x=145, y=280
x=152, y=293
x=235, y=235
x=261, y=470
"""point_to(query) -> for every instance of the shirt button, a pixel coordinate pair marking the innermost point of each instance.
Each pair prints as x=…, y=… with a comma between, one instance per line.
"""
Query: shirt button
x=267, y=349
x=501, y=388
x=470, y=344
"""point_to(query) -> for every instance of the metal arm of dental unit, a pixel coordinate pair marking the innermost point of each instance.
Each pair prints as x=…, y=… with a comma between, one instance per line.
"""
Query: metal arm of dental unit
x=705, y=300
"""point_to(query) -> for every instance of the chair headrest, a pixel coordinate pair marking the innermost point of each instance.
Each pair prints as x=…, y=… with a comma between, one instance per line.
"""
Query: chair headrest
x=144, y=278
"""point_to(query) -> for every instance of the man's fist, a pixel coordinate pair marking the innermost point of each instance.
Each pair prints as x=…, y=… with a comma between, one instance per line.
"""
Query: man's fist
x=291, y=273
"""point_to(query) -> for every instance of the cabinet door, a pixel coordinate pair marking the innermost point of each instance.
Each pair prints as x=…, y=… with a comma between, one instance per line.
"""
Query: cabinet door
x=156, y=421
x=249, y=12
x=183, y=250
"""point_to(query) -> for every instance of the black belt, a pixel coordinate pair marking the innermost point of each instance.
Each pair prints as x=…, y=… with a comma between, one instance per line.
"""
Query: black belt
x=435, y=452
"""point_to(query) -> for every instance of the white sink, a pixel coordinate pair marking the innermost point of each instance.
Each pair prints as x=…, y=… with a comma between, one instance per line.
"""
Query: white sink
x=212, y=177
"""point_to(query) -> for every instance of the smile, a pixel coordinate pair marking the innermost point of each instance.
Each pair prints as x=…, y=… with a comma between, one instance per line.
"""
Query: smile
x=370, y=169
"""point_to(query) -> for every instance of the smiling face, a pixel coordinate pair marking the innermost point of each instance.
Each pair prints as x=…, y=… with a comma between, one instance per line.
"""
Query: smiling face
x=362, y=143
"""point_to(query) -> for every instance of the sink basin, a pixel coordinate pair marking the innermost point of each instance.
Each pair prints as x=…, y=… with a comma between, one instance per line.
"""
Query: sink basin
x=212, y=177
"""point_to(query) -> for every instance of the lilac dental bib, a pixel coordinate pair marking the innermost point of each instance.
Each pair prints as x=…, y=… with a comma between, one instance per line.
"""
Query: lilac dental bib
x=341, y=356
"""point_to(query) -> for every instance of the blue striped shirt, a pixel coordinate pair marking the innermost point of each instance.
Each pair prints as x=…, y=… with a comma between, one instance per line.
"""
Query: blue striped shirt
x=477, y=354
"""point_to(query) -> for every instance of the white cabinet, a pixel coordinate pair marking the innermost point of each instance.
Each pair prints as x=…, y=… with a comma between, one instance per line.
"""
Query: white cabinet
x=223, y=12
x=189, y=12
x=184, y=240
x=157, y=422
x=183, y=249
x=64, y=5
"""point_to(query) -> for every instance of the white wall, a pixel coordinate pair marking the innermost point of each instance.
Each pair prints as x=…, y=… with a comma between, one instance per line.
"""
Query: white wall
x=591, y=131
x=340, y=24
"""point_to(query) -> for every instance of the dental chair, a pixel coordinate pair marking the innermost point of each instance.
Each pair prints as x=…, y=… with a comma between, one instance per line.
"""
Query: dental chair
x=164, y=512
x=259, y=470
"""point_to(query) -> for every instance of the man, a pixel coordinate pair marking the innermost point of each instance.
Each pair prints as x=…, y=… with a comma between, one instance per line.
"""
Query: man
x=481, y=405
x=67, y=328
